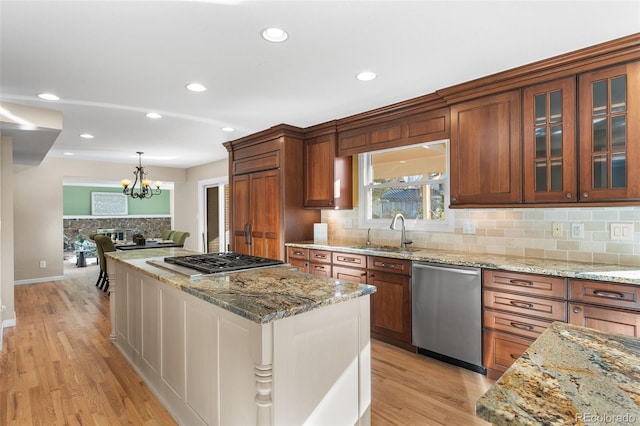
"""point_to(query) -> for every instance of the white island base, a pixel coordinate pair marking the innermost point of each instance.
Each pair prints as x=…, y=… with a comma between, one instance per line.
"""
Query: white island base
x=209, y=366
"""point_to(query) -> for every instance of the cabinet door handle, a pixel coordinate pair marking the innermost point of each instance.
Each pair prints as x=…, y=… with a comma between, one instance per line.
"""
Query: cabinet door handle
x=247, y=234
x=521, y=326
x=521, y=282
x=608, y=294
x=576, y=310
x=521, y=304
x=453, y=199
x=585, y=195
x=512, y=356
x=568, y=195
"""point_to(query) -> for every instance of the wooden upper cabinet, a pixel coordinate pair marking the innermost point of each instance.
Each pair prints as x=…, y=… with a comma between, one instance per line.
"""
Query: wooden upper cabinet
x=486, y=150
x=549, y=112
x=610, y=134
x=391, y=133
x=327, y=178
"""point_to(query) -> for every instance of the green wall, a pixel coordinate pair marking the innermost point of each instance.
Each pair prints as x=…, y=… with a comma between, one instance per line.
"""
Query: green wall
x=77, y=201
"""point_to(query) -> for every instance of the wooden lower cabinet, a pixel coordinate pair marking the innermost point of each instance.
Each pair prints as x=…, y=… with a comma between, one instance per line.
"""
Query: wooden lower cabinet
x=609, y=307
x=608, y=320
x=500, y=350
x=391, y=307
x=517, y=308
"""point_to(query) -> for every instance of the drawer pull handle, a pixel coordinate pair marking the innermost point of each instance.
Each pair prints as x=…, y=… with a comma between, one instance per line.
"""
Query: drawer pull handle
x=576, y=310
x=318, y=267
x=609, y=294
x=512, y=356
x=347, y=259
x=521, y=326
x=320, y=256
x=387, y=265
x=298, y=253
x=522, y=283
x=521, y=304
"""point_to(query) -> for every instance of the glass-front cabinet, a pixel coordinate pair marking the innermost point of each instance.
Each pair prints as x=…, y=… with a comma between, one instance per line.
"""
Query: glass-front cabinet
x=549, y=142
x=609, y=134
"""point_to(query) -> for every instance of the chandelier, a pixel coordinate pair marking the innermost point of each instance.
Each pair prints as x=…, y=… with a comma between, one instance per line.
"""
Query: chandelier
x=144, y=189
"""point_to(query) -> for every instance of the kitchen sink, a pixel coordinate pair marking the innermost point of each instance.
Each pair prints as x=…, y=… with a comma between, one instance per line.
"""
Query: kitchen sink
x=393, y=249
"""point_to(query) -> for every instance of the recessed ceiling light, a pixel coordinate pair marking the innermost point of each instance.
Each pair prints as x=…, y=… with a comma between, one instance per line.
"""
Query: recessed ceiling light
x=48, y=96
x=228, y=129
x=275, y=35
x=366, y=76
x=153, y=115
x=68, y=153
x=196, y=87
x=86, y=136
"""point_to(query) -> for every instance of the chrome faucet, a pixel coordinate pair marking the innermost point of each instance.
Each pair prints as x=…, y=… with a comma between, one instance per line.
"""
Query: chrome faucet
x=403, y=237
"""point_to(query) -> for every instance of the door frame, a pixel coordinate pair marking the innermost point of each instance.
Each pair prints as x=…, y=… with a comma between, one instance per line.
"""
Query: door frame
x=202, y=216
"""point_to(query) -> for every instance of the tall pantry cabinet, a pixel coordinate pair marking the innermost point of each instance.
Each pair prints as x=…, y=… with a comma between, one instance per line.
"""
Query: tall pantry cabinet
x=266, y=205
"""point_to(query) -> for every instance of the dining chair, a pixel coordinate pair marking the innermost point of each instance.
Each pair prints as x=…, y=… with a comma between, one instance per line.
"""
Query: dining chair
x=167, y=234
x=104, y=245
x=179, y=237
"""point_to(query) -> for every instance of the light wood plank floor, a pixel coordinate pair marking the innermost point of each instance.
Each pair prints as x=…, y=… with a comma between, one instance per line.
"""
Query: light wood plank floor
x=58, y=367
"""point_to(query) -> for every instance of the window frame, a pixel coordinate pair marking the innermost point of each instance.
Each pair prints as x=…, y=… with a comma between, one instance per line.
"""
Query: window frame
x=364, y=162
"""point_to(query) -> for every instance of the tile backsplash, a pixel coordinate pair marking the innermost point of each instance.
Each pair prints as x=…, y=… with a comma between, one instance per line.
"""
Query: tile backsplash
x=519, y=232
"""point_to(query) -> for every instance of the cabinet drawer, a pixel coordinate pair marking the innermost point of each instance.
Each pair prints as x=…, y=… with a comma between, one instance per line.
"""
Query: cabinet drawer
x=297, y=253
x=386, y=264
x=516, y=324
x=301, y=264
x=539, y=285
x=501, y=350
x=526, y=305
x=350, y=260
x=320, y=256
x=608, y=294
x=350, y=274
x=323, y=270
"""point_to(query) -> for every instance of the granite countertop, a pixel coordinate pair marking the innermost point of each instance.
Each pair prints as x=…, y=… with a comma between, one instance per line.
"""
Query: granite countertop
x=260, y=295
x=568, y=269
x=569, y=375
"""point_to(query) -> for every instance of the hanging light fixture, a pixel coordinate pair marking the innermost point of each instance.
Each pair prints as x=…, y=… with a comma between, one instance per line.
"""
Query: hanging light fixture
x=144, y=190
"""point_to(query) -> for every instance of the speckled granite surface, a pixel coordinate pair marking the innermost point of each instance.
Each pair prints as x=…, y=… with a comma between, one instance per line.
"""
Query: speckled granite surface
x=589, y=271
x=261, y=295
x=569, y=376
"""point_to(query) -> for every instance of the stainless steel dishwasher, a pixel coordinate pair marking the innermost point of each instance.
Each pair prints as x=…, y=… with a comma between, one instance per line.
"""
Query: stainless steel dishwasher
x=446, y=313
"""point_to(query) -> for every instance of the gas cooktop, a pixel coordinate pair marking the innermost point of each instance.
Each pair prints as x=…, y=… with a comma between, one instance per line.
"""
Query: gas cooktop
x=212, y=263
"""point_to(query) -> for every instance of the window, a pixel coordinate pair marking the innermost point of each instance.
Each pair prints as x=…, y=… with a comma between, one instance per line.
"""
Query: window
x=411, y=180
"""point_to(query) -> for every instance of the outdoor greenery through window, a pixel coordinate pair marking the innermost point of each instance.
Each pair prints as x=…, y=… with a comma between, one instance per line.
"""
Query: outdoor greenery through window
x=412, y=180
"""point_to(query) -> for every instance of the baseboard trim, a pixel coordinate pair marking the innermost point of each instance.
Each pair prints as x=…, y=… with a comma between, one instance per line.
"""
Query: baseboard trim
x=39, y=280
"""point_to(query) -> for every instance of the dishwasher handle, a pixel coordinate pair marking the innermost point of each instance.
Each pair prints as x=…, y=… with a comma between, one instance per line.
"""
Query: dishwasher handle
x=440, y=268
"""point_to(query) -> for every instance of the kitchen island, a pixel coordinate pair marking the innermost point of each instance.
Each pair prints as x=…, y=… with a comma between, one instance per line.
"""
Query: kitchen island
x=263, y=346
x=569, y=375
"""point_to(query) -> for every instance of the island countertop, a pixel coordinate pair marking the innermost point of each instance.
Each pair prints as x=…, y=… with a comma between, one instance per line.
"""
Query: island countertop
x=561, y=268
x=569, y=375
x=260, y=295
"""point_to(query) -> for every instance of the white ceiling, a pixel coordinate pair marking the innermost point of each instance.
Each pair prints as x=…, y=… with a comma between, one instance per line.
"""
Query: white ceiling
x=112, y=62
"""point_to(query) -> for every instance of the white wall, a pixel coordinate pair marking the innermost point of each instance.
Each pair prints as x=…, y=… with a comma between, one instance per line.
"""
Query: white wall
x=7, y=318
x=186, y=214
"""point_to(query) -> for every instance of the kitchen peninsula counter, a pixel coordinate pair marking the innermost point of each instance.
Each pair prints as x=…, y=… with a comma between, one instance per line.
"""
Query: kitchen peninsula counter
x=264, y=346
x=569, y=375
x=568, y=269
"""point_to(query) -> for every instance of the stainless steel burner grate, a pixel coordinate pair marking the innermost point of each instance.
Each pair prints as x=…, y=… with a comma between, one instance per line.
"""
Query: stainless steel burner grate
x=212, y=263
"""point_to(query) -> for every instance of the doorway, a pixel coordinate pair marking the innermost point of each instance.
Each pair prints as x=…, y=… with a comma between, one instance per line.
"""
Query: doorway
x=215, y=216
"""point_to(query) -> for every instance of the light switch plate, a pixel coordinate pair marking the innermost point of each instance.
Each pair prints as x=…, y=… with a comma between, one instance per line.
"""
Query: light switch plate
x=621, y=231
x=577, y=231
x=468, y=227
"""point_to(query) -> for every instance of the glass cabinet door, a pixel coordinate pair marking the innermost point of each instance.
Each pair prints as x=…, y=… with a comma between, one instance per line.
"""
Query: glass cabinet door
x=609, y=142
x=549, y=142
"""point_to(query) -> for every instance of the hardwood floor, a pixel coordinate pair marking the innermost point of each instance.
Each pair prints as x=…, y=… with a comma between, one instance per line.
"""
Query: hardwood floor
x=58, y=366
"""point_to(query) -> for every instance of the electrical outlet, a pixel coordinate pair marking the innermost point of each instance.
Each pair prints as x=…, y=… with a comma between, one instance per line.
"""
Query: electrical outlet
x=577, y=231
x=348, y=223
x=3, y=308
x=557, y=229
x=43, y=263
x=468, y=227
